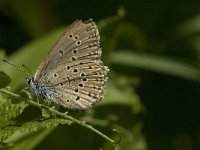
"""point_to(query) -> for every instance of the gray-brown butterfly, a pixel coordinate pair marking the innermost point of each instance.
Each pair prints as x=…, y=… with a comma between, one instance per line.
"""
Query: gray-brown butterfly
x=72, y=74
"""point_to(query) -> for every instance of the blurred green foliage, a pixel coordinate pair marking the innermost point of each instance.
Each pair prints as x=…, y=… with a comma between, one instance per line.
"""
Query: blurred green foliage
x=152, y=49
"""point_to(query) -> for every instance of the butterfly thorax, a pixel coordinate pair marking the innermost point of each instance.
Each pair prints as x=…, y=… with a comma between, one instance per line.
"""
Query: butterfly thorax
x=36, y=88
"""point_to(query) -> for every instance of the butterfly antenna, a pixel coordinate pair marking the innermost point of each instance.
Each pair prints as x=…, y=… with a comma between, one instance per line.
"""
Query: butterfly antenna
x=22, y=69
x=27, y=69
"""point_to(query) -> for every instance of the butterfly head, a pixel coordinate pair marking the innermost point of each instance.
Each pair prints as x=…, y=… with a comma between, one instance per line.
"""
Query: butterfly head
x=34, y=86
x=31, y=83
x=30, y=80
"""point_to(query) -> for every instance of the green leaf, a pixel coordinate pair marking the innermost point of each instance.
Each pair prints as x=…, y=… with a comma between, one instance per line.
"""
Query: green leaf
x=157, y=64
x=20, y=119
x=2, y=54
x=119, y=91
x=8, y=111
x=4, y=79
x=9, y=131
x=29, y=15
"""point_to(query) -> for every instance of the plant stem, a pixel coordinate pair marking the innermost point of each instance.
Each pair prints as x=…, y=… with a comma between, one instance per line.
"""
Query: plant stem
x=63, y=115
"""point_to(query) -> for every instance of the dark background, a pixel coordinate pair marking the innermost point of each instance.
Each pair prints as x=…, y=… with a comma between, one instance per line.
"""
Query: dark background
x=170, y=29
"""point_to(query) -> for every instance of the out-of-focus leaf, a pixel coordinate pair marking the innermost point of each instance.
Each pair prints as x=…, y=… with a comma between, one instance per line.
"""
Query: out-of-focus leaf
x=18, y=120
x=131, y=139
x=131, y=34
x=190, y=27
x=190, y=30
x=4, y=79
x=30, y=14
x=31, y=56
x=8, y=111
x=2, y=54
x=157, y=64
x=16, y=132
x=120, y=92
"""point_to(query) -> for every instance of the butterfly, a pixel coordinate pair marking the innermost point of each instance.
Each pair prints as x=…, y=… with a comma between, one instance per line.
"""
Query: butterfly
x=72, y=74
